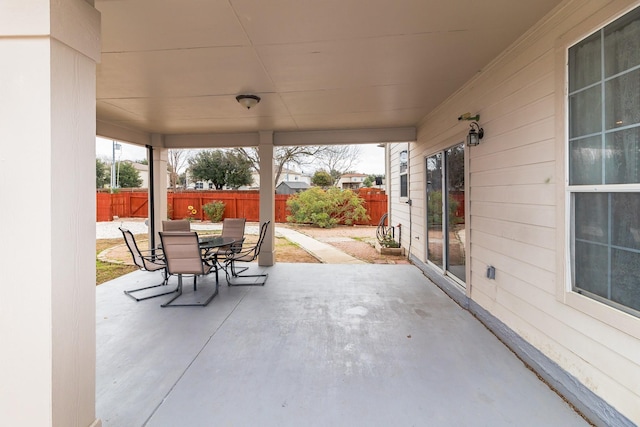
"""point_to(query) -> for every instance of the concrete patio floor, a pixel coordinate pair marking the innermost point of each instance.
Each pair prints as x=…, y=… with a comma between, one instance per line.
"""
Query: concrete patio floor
x=319, y=345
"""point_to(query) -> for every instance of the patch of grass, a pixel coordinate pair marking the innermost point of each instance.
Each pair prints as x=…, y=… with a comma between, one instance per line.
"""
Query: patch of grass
x=106, y=271
x=367, y=240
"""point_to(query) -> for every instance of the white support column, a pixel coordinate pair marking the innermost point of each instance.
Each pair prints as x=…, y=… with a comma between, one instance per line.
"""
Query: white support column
x=49, y=51
x=267, y=198
x=160, y=159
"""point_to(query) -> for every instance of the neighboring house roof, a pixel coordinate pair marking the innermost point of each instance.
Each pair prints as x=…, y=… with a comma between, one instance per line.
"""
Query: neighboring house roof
x=294, y=184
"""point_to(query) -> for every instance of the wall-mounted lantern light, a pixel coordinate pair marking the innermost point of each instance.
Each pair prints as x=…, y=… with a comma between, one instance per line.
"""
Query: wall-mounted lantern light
x=475, y=134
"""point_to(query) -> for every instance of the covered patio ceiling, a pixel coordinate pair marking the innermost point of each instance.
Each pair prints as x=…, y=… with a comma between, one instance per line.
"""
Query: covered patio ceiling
x=175, y=67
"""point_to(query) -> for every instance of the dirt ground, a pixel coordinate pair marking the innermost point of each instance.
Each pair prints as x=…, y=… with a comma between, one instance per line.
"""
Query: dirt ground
x=357, y=241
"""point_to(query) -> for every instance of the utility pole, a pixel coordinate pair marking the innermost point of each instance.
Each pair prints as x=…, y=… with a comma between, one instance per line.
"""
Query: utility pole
x=114, y=146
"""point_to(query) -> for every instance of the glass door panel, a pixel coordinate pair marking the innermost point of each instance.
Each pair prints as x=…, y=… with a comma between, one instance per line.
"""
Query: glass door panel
x=435, y=246
x=455, y=226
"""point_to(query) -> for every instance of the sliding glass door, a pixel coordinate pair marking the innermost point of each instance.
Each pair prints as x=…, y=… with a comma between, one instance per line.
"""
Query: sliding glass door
x=446, y=230
x=435, y=225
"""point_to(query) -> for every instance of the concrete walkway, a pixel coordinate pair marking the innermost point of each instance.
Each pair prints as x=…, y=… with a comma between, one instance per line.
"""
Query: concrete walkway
x=324, y=252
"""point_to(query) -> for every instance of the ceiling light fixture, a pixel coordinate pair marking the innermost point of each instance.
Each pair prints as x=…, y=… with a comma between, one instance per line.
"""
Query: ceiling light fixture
x=248, y=101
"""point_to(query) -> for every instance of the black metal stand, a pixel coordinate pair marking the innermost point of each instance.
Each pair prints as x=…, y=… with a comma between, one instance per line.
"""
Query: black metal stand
x=196, y=304
x=164, y=283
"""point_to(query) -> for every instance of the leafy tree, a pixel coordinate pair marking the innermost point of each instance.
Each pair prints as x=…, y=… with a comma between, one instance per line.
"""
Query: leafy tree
x=239, y=172
x=326, y=208
x=322, y=179
x=128, y=176
x=372, y=180
x=208, y=165
x=103, y=174
x=221, y=168
x=336, y=175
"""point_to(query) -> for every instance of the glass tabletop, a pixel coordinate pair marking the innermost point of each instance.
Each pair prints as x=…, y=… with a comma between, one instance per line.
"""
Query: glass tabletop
x=209, y=242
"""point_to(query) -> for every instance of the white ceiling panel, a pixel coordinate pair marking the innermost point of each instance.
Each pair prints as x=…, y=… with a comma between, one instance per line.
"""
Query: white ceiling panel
x=359, y=99
x=374, y=61
x=175, y=66
x=300, y=21
x=190, y=72
x=169, y=24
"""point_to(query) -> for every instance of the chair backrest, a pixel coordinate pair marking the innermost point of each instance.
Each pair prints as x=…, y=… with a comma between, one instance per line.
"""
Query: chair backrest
x=140, y=261
x=177, y=225
x=234, y=228
x=182, y=252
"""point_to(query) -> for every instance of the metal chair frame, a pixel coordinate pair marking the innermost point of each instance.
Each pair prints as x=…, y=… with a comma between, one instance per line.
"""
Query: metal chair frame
x=145, y=261
x=245, y=255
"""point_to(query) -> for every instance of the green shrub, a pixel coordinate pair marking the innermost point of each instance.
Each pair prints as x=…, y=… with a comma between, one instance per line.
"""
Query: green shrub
x=214, y=210
x=326, y=208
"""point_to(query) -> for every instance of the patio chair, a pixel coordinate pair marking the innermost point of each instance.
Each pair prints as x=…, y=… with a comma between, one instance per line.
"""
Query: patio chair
x=177, y=225
x=146, y=261
x=245, y=255
x=183, y=257
x=233, y=228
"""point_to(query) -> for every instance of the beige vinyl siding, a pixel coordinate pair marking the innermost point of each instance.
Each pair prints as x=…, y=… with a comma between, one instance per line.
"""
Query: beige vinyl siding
x=399, y=211
x=516, y=206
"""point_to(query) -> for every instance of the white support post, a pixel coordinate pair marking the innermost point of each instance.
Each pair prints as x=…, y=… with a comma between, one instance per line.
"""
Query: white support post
x=49, y=51
x=267, y=198
x=160, y=160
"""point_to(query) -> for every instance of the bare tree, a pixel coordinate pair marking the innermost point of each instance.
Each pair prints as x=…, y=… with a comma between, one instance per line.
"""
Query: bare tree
x=339, y=159
x=296, y=155
x=178, y=160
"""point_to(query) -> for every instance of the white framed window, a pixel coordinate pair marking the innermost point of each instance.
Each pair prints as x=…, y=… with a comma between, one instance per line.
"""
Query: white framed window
x=603, y=154
x=404, y=178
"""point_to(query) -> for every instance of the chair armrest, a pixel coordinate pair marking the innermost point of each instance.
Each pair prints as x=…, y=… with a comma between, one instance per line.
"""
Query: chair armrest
x=236, y=246
x=153, y=258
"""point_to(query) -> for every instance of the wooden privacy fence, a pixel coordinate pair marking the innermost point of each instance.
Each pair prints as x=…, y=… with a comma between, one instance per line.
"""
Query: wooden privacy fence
x=238, y=204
